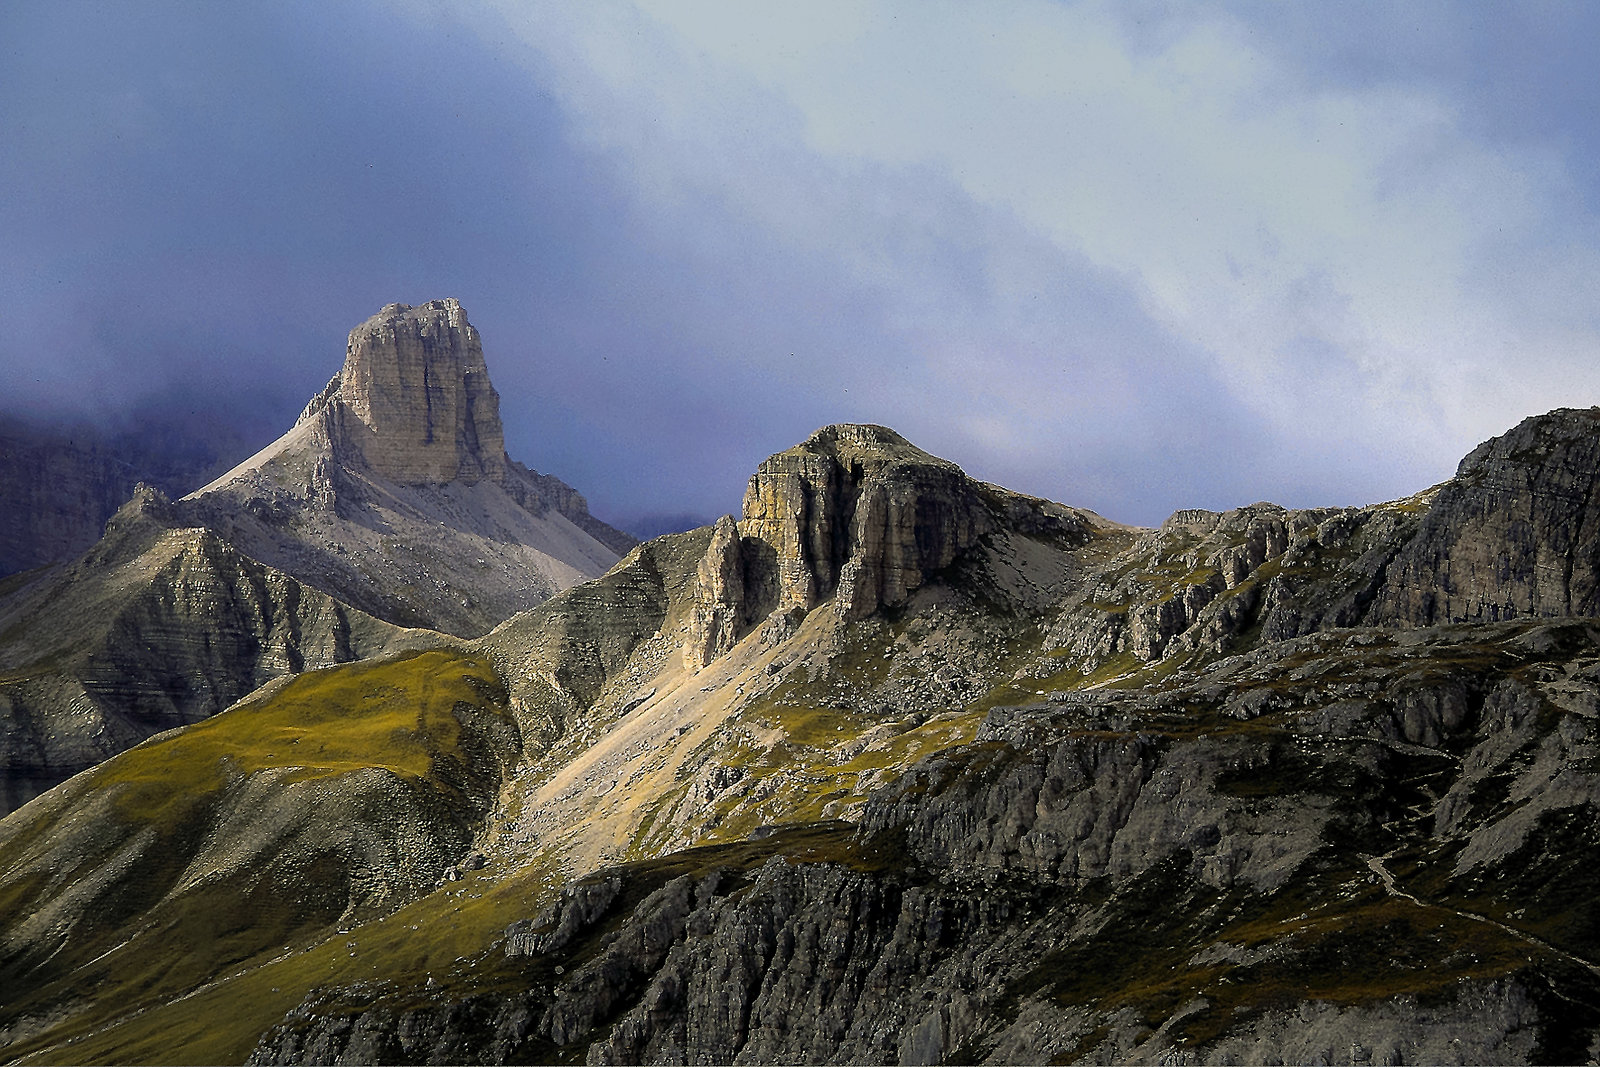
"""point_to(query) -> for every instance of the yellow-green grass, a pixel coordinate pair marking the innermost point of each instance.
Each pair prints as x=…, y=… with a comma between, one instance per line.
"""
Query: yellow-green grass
x=395, y=714
x=453, y=936
x=427, y=938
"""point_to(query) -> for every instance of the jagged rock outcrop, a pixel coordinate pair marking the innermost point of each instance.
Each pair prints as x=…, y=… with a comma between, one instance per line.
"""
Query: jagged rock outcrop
x=720, y=613
x=859, y=514
x=858, y=517
x=1515, y=533
x=414, y=398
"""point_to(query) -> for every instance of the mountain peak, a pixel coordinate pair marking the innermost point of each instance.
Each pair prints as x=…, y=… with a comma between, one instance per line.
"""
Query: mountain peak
x=394, y=484
x=866, y=446
x=417, y=404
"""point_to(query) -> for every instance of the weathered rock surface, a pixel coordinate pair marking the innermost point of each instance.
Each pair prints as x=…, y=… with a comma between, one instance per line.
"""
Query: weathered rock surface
x=859, y=518
x=1515, y=533
x=415, y=398
x=860, y=514
x=1093, y=883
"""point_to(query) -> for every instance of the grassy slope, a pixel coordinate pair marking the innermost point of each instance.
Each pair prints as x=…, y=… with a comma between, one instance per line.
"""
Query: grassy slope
x=397, y=716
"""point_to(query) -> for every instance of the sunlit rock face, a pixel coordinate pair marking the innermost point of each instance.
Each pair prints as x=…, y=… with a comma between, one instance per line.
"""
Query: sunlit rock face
x=414, y=398
x=861, y=513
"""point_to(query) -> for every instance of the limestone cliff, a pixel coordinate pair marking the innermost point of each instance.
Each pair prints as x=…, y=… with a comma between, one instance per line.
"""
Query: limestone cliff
x=413, y=399
x=861, y=514
x=393, y=491
x=1516, y=533
x=859, y=518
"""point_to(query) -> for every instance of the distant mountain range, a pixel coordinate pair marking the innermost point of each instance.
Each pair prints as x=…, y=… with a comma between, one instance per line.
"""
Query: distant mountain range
x=895, y=766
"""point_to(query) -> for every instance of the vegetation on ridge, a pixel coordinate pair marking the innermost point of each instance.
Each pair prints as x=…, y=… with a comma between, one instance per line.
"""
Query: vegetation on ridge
x=246, y=837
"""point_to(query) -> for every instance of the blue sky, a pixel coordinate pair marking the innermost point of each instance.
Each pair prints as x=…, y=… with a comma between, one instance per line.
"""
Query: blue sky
x=1131, y=256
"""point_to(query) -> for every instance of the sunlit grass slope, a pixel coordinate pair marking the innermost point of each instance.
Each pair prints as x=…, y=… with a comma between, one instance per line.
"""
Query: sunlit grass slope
x=212, y=849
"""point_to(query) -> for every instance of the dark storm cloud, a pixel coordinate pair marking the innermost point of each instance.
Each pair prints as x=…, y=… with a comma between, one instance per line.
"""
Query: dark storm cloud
x=209, y=195
x=201, y=200
x=671, y=278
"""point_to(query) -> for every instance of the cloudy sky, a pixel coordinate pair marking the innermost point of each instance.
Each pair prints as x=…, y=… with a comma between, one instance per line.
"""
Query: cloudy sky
x=1131, y=256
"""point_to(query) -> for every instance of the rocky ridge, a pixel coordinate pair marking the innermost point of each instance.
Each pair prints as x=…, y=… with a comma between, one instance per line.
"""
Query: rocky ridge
x=900, y=767
x=160, y=625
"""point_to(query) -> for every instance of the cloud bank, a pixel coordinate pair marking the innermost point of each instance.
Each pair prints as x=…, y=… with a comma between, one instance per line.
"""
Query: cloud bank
x=1133, y=257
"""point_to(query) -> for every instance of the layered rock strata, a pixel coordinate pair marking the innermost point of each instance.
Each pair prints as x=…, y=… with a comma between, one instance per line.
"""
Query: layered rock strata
x=160, y=625
x=394, y=493
x=856, y=517
x=389, y=509
x=414, y=401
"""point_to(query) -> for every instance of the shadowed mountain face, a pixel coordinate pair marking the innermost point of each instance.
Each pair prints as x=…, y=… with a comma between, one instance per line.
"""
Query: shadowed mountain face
x=59, y=485
x=895, y=767
x=388, y=517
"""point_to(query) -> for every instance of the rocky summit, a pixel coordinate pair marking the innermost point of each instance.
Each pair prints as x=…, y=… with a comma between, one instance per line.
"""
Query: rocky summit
x=388, y=517
x=413, y=400
x=394, y=493
x=895, y=766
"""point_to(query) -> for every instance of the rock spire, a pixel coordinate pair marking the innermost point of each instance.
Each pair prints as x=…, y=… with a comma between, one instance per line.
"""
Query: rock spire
x=414, y=398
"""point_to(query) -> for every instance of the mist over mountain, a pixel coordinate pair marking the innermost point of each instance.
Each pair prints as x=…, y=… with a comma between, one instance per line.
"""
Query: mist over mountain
x=62, y=476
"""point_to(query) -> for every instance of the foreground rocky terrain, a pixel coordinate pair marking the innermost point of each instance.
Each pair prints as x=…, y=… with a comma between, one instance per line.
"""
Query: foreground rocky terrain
x=387, y=517
x=895, y=767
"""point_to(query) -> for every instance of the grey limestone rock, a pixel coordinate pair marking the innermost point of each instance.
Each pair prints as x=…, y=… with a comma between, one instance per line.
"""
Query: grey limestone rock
x=860, y=514
x=1515, y=533
x=414, y=397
